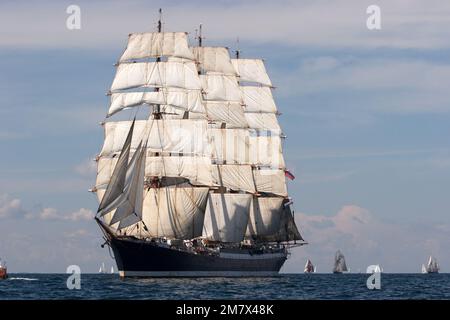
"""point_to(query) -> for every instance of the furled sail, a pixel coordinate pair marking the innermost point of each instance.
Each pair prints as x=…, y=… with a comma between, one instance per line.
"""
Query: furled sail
x=175, y=212
x=157, y=44
x=252, y=70
x=213, y=60
x=188, y=100
x=156, y=74
x=226, y=217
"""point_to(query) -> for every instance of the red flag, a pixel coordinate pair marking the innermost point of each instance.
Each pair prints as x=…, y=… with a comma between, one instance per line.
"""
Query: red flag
x=289, y=175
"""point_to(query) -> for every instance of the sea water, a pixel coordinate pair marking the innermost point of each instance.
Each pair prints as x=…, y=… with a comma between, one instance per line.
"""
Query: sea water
x=283, y=287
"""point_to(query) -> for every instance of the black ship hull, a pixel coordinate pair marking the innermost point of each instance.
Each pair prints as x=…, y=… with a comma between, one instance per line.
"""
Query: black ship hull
x=140, y=258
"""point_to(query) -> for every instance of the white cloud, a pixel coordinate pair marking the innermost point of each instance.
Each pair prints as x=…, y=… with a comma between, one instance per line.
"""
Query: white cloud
x=366, y=240
x=53, y=214
x=405, y=24
x=11, y=207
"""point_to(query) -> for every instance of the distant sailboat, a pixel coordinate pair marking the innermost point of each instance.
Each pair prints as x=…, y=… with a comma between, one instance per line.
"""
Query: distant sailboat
x=112, y=269
x=424, y=269
x=3, y=270
x=339, y=263
x=309, y=267
x=102, y=268
x=432, y=266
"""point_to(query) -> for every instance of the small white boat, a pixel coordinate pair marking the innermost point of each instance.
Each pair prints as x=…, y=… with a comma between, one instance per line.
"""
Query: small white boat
x=102, y=268
x=309, y=267
x=432, y=266
x=339, y=263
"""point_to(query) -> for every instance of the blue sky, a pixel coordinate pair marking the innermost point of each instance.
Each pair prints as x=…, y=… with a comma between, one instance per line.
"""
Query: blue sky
x=367, y=115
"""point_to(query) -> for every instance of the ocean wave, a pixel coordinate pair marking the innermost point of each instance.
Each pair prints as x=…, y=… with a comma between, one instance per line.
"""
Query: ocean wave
x=25, y=279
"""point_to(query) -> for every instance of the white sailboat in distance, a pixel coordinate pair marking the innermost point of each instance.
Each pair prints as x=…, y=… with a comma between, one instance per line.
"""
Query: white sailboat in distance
x=424, y=269
x=309, y=267
x=102, y=268
x=432, y=266
x=339, y=263
x=112, y=269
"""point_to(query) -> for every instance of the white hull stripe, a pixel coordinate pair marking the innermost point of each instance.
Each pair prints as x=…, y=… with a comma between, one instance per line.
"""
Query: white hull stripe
x=240, y=256
x=198, y=273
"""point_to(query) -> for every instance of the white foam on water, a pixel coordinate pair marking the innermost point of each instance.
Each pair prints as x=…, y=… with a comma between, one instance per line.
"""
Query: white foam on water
x=25, y=279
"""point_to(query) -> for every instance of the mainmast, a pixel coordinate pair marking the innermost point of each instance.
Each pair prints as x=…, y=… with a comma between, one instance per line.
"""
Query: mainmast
x=199, y=37
x=157, y=113
x=237, y=52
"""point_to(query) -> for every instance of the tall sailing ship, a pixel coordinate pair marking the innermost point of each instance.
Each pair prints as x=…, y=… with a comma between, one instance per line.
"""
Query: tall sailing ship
x=197, y=187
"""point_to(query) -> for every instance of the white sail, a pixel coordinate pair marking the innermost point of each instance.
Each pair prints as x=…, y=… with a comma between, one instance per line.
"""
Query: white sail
x=265, y=150
x=189, y=100
x=266, y=215
x=175, y=212
x=112, y=269
x=157, y=44
x=263, y=121
x=252, y=70
x=258, y=99
x=214, y=60
x=339, y=263
x=196, y=169
x=424, y=269
x=229, y=146
x=270, y=181
x=309, y=267
x=432, y=266
x=118, y=174
x=131, y=202
x=235, y=177
x=156, y=74
x=226, y=217
x=185, y=136
x=266, y=210
x=230, y=113
x=239, y=146
x=220, y=87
